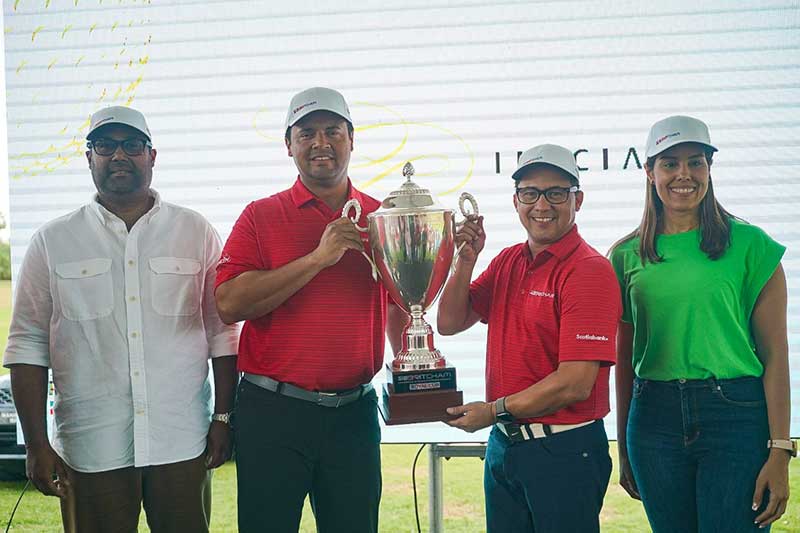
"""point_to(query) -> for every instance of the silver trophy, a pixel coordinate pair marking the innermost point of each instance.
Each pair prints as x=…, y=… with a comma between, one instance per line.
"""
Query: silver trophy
x=412, y=246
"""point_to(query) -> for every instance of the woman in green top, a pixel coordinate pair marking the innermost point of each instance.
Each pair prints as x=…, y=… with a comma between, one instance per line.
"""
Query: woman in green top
x=702, y=372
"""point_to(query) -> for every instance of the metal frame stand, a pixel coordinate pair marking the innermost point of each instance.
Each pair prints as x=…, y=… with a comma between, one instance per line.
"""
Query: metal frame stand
x=435, y=454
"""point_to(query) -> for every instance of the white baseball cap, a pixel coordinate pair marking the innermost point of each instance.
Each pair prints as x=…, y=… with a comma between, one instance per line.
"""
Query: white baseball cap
x=550, y=154
x=317, y=99
x=118, y=115
x=674, y=130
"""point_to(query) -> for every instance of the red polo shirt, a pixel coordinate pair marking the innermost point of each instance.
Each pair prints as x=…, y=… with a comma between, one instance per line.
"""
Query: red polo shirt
x=329, y=335
x=564, y=305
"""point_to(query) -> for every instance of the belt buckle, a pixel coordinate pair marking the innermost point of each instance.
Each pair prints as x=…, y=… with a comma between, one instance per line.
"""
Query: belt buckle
x=323, y=396
x=514, y=432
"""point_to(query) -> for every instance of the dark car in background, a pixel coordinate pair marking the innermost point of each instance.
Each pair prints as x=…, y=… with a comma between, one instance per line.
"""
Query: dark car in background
x=12, y=455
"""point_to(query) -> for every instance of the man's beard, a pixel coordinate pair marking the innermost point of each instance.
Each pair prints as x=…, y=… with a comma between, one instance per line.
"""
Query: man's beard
x=131, y=183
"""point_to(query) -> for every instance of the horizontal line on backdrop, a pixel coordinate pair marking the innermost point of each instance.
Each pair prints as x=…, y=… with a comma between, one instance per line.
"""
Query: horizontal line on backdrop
x=461, y=117
x=229, y=7
x=535, y=19
x=471, y=80
x=187, y=95
x=478, y=41
x=10, y=71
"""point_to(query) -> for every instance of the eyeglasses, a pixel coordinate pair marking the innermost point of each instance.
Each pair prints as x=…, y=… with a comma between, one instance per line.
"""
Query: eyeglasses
x=554, y=195
x=107, y=147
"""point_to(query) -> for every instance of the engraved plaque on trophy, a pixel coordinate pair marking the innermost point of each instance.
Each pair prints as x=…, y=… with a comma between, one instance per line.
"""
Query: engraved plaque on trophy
x=412, y=243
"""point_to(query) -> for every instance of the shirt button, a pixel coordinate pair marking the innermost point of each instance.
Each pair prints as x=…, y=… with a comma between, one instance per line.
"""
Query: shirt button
x=136, y=373
x=130, y=262
x=134, y=334
x=140, y=411
x=177, y=268
x=132, y=298
x=84, y=271
x=681, y=381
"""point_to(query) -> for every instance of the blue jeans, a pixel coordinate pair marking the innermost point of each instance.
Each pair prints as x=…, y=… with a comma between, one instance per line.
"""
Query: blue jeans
x=551, y=485
x=696, y=448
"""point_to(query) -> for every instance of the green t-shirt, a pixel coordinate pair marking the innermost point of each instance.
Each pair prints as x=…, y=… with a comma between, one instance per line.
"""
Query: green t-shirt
x=691, y=315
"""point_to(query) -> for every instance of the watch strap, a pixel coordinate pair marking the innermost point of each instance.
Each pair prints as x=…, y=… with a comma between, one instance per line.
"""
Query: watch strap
x=501, y=413
x=784, y=444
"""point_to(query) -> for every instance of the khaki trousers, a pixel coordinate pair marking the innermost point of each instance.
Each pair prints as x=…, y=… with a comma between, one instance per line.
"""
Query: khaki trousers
x=176, y=499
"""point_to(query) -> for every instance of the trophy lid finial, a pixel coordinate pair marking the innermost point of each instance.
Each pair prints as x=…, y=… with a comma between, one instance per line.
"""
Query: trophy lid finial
x=408, y=170
x=409, y=195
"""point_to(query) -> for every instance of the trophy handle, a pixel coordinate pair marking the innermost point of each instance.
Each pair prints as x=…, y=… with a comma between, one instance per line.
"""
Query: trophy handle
x=465, y=197
x=353, y=204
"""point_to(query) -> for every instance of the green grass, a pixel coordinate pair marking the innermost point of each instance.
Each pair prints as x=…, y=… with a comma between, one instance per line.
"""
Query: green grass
x=463, y=491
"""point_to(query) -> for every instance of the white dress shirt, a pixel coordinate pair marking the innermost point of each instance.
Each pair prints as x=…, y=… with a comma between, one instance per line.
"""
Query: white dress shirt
x=127, y=322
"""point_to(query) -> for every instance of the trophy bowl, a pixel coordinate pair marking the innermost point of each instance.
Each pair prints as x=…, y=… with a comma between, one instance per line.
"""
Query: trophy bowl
x=413, y=252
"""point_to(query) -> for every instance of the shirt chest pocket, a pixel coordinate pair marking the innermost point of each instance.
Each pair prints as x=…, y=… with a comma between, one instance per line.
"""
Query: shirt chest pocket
x=85, y=289
x=175, y=285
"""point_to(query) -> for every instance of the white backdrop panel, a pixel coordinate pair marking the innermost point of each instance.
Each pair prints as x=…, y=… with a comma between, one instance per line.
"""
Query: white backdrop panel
x=457, y=87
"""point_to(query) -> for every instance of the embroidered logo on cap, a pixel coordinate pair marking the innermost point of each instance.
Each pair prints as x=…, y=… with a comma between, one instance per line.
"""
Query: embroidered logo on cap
x=665, y=137
x=103, y=121
x=297, y=109
x=531, y=160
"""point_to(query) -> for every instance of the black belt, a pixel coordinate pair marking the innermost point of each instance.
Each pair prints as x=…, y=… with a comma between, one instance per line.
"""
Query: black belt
x=324, y=399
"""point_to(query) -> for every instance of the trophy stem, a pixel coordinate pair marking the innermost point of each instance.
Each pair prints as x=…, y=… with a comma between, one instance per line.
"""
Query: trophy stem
x=418, y=352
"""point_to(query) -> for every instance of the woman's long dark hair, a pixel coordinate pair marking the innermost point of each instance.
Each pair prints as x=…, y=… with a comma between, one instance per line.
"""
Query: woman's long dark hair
x=715, y=222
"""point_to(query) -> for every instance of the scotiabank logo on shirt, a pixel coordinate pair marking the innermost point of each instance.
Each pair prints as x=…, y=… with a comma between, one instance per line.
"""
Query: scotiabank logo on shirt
x=591, y=337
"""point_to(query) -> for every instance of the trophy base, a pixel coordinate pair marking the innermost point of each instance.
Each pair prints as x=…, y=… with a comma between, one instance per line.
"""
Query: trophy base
x=415, y=381
x=411, y=407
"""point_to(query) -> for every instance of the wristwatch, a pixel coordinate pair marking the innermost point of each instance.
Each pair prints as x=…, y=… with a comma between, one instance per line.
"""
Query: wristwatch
x=225, y=418
x=784, y=444
x=502, y=415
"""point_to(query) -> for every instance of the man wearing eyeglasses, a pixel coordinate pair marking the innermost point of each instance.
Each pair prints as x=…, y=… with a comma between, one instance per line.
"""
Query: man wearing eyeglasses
x=117, y=299
x=552, y=307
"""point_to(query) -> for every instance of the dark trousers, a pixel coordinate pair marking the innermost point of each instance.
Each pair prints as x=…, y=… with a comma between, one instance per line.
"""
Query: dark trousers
x=176, y=499
x=554, y=484
x=288, y=448
x=696, y=448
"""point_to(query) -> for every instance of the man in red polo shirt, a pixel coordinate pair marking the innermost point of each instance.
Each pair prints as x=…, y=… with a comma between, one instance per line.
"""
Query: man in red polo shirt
x=313, y=338
x=552, y=305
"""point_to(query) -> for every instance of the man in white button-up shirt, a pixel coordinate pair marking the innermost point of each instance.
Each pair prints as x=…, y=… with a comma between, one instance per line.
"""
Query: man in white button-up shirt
x=117, y=299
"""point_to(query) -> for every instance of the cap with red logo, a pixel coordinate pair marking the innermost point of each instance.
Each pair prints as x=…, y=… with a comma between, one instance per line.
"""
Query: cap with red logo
x=548, y=154
x=674, y=130
x=317, y=99
x=118, y=115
